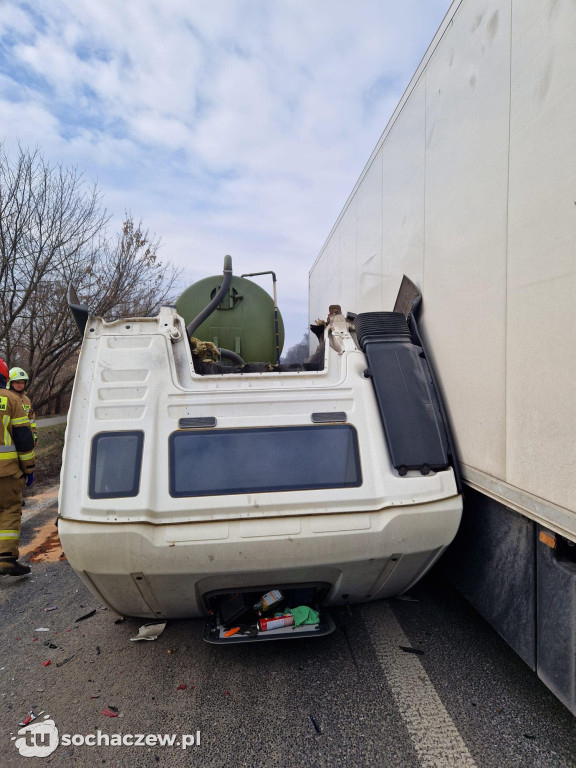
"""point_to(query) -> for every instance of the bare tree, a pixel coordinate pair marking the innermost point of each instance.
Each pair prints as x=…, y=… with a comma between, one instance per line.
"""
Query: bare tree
x=298, y=353
x=53, y=229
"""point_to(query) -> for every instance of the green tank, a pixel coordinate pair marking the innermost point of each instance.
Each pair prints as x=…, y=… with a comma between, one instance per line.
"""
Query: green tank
x=243, y=321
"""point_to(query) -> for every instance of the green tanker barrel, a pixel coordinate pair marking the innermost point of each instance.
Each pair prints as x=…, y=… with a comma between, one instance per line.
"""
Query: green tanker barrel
x=242, y=322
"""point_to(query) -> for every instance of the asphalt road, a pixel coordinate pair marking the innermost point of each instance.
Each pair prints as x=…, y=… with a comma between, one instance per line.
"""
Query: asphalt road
x=354, y=698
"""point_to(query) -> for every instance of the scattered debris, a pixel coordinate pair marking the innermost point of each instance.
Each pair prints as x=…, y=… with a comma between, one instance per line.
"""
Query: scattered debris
x=97, y=696
x=86, y=615
x=109, y=713
x=231, y=632
x=149, y=631
x=529, y=736
x=407, y=598
x=46, y=663
x=171, y=650
x=52, y=608
x=28, y=719
x=182, y=687
x=97, y=650
x=408, y=649
x=65, y=661
x=42, y=629
x=315, y=724
x=121, y=620
x=48, y=644
x=114, y=709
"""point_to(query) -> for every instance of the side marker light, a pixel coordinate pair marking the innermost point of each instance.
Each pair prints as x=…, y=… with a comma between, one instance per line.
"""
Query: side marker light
x=548, y=538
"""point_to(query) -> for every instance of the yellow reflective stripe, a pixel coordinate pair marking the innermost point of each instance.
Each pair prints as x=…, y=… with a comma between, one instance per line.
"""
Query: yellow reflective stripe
x=9, y=456
x=26, y=456
x=5, y=421
x=9, y=534
x=20, y=421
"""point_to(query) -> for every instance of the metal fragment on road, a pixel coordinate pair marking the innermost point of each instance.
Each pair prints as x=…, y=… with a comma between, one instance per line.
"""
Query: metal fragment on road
x=86, y=616
x=65, y=661
x=409, y=649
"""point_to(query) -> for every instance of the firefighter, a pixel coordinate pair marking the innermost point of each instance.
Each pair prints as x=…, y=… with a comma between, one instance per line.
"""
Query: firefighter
x=18, y=382
x=16, y=471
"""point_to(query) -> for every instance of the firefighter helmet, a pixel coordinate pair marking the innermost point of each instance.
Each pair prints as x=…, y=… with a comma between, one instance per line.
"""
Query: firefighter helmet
x=17, y=374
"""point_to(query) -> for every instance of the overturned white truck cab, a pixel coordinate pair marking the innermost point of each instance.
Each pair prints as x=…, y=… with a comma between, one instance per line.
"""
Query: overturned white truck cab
x=185, y=481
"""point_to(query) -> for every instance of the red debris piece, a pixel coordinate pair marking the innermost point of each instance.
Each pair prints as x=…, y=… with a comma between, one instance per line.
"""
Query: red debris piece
x=34, y=639
x=46, y=663
x=27, y=720
x=226, y=693
x=109, y=713
x=181, y=687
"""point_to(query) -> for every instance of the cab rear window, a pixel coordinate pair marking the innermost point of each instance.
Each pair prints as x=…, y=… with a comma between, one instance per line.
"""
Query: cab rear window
x=115, y=464
x=216, y=462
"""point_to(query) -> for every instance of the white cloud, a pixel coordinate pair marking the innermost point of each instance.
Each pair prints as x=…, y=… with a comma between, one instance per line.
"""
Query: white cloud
x=237, y=126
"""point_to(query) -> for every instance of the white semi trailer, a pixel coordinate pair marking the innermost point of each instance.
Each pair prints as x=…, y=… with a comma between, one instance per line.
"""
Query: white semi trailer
x=471, y=192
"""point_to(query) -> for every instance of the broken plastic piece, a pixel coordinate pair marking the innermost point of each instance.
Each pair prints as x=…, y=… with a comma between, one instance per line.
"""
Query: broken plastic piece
x=46, y=663
x=42, y=629
x=86, y=616
x=232, y=631
x=407, y=649
x=182, y=687
x=109, y=713
x=149, y=632
x=52, y=608
x=28, y=719
x=315, y=724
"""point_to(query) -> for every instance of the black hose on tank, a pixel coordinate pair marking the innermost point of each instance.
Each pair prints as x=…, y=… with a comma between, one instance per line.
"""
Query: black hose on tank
x=207, y=311
x=232, y=356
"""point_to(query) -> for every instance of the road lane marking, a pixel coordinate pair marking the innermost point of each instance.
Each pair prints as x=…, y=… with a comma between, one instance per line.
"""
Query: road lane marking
x=436, y=739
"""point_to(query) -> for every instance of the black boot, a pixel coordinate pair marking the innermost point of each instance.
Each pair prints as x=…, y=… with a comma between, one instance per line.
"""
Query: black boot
x=9, y=566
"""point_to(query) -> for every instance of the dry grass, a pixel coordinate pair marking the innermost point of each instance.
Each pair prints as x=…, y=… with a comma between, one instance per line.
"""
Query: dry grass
x=48, y=457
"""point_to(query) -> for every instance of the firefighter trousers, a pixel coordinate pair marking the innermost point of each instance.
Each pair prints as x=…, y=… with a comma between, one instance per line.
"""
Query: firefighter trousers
x=11, y=489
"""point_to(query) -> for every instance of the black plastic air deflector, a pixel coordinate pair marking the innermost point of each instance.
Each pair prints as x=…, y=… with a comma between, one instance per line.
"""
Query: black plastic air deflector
x=407, y=399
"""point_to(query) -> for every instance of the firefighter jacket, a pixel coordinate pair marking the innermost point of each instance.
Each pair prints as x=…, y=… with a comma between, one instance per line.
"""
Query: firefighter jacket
x=27, y=405
x=16, y=439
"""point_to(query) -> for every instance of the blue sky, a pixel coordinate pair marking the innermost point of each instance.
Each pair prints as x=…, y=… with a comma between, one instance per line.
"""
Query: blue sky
x=228, y=126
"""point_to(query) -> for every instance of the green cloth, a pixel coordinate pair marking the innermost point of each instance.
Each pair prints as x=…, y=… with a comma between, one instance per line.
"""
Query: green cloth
x=303, y=615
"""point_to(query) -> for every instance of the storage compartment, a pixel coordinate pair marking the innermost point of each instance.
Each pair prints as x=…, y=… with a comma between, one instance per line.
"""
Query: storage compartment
x=267, y=613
